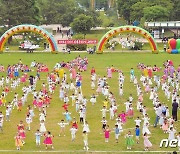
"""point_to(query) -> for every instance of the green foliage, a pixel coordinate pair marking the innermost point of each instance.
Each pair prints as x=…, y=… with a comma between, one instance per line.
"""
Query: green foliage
x=137, y=46
x=77, y=47
x=156, y=13
x=148, y=10
x=19, y=12
x=82, y=24
x=124, y=8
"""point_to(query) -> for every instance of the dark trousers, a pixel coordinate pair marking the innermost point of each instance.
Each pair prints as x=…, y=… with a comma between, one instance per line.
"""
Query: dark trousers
x=174, y=114
x=81, y=120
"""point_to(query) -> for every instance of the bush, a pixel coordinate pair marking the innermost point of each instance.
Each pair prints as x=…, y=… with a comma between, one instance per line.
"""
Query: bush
x=77, y=47
x=137, y=46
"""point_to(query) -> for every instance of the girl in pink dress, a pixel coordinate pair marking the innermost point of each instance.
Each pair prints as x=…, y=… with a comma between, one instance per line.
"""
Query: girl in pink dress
x=48, y=140
x=123, y=116
x=107, y=133
x=23, y=79
x=109, y=73
x=147, y=88
x=147, y=143
x=35, y=102
x=165, y=126
x=73, y=71
x=130, y=111
x=22, y=134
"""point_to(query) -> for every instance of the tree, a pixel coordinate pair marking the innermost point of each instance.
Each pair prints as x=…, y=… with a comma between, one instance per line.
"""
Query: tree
x=82, y=24
x=60, y=12
x=176, y=10
x=156, y=13
x=124, y=8
x=16, y=12
x=137, y=9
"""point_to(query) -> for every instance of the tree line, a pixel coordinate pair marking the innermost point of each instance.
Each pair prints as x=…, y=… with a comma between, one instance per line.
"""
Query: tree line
x=77, y=13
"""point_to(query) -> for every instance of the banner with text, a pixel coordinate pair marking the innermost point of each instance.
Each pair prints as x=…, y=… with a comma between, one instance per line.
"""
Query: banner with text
x=77, y=41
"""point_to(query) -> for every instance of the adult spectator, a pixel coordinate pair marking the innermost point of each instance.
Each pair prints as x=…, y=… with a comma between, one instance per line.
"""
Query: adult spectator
x=174, y=109
x=158, y=112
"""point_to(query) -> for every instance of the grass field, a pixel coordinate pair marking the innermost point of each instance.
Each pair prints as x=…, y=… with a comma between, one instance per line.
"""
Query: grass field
x=122, y=61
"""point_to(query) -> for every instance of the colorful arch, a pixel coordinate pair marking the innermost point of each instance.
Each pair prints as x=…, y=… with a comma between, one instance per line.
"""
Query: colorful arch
x=28, y=28
x=124, y=29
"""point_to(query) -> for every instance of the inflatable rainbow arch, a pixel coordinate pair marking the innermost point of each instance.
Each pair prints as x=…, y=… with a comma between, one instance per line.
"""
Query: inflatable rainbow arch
x=28, y=28
x=124, y=29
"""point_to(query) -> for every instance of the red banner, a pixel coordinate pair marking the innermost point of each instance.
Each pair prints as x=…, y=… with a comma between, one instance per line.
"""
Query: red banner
x=77, y=41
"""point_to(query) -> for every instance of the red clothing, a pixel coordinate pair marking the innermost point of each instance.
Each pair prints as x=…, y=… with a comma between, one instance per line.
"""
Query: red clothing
x=65, y=106
x=93, y=71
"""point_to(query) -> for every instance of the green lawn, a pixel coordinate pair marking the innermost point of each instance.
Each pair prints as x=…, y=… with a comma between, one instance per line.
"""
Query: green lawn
x=123, y=61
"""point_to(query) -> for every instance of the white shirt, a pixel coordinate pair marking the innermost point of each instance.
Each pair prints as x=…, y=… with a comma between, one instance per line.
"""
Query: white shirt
x=73, y=131
x=138, y=122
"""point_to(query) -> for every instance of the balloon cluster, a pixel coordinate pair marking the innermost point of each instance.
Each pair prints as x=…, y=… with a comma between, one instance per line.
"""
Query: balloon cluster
x=174, y=46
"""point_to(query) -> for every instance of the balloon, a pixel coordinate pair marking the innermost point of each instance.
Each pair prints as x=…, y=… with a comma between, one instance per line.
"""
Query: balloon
x=169, y=50
x=172, y=43
x=179, y=51
x=178, y=44
x=174, y=51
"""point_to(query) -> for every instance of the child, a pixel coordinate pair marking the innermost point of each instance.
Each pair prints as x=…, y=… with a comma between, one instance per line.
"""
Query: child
x=104, y=110
x=130, y=111
x=38, y=136
x=104, y=123
x=171, y=134
x=129, y=140
x=62, y=127
x=146, y=129
x=85, y=139
x=93, y=99
x=92, y=85
x=1, y=124
x=117, y=133
x=23, y=135
x=147, y=143
x=138, y=121
x=123, y=117
x=48, y=140
x=73, y=131
x=7, y=114
x=137, y=134
x=165, y=126
x=42, y=127
x=107, y=133
x=81, y=116
x=132, y=75
x=86, y=127
x=28, y=121
x=73, y=97
x=67, y=115
x=18, y=141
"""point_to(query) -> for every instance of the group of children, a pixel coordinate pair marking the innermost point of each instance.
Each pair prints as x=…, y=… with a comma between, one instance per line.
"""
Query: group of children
x=71, y=94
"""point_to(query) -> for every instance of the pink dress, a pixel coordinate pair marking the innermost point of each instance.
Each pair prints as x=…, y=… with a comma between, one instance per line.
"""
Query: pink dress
x=123, y=117
x=98, y=89
x=48, y=140
x=40, y=104
x=85, y=67
x=147, y=89
x=22, y=134
x=147, y=143
x=35, y=102
x=106, y=133
x=73, y=73
x=109, y=72
x=130, y=112
x=165, y=127
x=1, y=102
x=23, y=79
